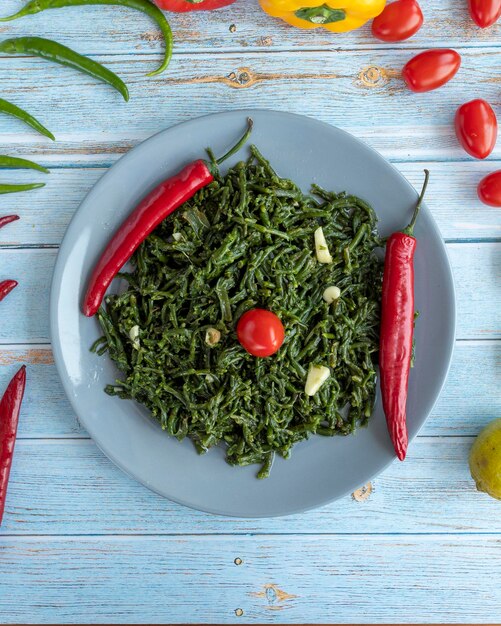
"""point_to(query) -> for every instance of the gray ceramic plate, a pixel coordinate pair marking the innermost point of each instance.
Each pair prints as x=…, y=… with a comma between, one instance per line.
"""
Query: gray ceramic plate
x=321, y=469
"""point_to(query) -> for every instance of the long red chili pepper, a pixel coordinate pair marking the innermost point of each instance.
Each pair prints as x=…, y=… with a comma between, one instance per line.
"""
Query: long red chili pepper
x=149, y=213
x=6, y=286
x=7, y=219
x=10, y=406
x=397, y=328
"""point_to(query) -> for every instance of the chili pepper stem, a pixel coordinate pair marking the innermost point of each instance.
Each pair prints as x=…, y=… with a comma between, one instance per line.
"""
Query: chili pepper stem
x=410, y=229
x=239, y=144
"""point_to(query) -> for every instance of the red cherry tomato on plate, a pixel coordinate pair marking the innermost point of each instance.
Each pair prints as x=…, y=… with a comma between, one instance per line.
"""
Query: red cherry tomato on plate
x=181, y=6
x=485, y=13
x=477, y=128
x=399, y=20
x=260, y=332
x=489, y=189
x=431, y=69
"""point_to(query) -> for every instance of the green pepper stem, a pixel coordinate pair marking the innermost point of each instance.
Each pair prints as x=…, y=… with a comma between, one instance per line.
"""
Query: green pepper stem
x=410, y=229
x=239, y=144
x=321, y=14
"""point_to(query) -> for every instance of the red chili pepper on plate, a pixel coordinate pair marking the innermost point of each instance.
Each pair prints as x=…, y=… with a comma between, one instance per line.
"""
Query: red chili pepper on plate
x=7, y=219
x=6, y=286
x=181, y=6
x=485, y=13
x=397, y=328
x=431, y=69
x=476, y=128
x=150, y=212
x=10, y=406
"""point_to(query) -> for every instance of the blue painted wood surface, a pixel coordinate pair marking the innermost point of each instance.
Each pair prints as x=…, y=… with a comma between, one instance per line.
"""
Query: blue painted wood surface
x=83, y=542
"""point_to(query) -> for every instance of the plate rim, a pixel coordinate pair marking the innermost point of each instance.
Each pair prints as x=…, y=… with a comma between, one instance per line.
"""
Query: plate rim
x=56, y=284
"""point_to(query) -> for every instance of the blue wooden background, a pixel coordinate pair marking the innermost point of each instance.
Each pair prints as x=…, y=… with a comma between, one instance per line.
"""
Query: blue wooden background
x=83, y=542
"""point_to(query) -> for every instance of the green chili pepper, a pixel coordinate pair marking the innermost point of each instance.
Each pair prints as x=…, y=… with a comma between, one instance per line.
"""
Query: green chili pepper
x=11, y=109
x=22, y=164
x=17, y=188
x=56, y=52
x=36, y=6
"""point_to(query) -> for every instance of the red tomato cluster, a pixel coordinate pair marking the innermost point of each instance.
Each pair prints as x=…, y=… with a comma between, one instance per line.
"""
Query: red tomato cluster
x=475, y=122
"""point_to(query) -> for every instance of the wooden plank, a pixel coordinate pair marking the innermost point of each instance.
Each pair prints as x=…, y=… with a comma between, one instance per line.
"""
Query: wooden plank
x=475, y=268
x=45, y=213
x=70, y=487
x=470, y=398
x=451, y=197
x=111, y=30
x=287, y=579
x=27, y=307
x=332, y=85
x=476, y=367
x=478, y=284
x=46, y=410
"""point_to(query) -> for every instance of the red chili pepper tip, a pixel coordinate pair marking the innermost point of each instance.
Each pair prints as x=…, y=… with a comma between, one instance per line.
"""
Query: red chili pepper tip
x=7, y=219
x=10, y=406
x=6, y=287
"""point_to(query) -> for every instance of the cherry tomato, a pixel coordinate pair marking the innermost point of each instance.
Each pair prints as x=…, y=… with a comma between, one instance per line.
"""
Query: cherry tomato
x=431, y=69
x=485, y=13
x=489, y=189
x=181, y=6
x=399, y=20
x=477, y=128
x=260, y=332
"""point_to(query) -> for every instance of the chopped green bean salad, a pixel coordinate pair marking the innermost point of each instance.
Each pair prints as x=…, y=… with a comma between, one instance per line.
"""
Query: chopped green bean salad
x=251, y=239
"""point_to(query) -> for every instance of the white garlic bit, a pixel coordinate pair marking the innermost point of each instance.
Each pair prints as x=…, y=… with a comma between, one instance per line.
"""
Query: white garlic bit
x=177, y=236
x=331, y=294
x=317, y=375
x=321, y=247
x=212, y=336
x=134, y=336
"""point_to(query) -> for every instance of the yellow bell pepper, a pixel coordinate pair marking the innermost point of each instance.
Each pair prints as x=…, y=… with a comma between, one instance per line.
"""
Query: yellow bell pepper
x=336, y=15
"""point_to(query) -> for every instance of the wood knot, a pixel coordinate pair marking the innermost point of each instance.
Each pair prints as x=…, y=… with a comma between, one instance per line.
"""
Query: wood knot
x=238, y=561
x=274, y=596
x=241, y=78
x=265, y=41
x=362, y=494
x=372, y=76
x=239, y=612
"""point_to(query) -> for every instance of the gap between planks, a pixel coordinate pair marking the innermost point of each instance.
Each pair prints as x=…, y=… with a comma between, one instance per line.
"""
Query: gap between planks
x=50, y=247
x=249, y=537
x=37, y=345
x=258, y=50
x=86, y=440
x=40, y=247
